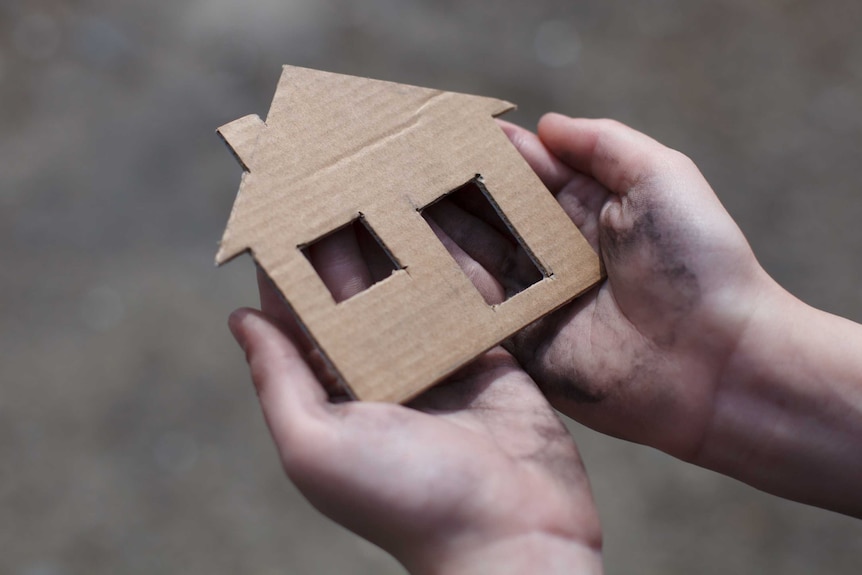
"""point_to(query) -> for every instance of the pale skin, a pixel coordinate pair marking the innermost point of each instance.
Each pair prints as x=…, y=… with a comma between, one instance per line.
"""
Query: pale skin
x=687, y=346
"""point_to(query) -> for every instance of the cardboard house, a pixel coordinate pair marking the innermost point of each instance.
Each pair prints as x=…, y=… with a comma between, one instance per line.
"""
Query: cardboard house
x=335, y=149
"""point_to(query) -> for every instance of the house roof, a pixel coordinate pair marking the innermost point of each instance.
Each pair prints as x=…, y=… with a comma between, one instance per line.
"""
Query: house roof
x=325, y=123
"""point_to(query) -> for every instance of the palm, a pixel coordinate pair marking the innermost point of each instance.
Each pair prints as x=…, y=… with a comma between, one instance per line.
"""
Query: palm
x=486, y=436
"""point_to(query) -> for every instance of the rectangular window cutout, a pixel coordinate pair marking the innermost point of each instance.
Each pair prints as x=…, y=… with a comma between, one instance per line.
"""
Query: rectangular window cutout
x=351, y=259
x=482, y=241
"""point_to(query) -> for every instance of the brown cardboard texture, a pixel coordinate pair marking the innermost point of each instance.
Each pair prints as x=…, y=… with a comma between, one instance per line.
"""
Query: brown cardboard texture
x=335, y=148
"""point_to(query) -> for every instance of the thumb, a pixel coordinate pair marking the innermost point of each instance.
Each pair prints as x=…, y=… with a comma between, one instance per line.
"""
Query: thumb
x=653, y=187
x=617, y=156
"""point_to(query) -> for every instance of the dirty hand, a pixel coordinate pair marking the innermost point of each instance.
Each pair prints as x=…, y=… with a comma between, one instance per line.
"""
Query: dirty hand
x=477, y=475
x=688, y=345
x=639, y=355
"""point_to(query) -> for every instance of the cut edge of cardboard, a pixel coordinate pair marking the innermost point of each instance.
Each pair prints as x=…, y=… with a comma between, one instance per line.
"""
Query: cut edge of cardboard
x=245, y=135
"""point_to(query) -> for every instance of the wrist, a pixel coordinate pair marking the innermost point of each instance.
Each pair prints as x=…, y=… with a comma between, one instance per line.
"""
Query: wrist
x=747, y=374
x=535, y=552
x=788, y=408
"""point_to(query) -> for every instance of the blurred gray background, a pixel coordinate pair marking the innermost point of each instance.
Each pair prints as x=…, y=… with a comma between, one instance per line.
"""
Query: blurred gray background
x=130, y=438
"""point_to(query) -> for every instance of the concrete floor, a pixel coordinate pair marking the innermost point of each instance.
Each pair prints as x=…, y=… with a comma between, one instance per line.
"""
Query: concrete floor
x=130, y=439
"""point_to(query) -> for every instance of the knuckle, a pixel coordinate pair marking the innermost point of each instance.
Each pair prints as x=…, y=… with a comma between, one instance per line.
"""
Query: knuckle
x=679, y=161
x=610, y=124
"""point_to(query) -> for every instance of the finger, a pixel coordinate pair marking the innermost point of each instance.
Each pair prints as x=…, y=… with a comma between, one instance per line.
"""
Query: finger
x=292, y=399
x=553, y=173
x=582, y=199
x=485, y=283
x=469, y=218
x=480, y=241
x=612, y=153
x=380, y=266
x=472, y=200
x=339, y=262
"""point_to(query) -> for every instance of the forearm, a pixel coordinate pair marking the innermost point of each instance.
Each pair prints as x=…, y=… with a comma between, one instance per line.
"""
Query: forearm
x=788, y=410
x=534, y=553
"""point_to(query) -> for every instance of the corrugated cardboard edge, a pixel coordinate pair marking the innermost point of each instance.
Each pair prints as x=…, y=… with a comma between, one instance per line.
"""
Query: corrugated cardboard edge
x=335, y=146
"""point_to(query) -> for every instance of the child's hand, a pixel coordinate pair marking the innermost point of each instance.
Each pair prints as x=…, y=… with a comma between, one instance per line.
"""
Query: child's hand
x=688, y=345
x=639, y=356
x=477, y=475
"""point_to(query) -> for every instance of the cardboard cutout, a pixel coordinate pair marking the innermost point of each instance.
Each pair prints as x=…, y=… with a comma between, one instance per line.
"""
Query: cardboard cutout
x=338, y=148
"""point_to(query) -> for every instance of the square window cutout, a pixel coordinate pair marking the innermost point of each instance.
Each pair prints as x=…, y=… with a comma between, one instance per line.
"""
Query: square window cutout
x=350, y=259
x=469, y=222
